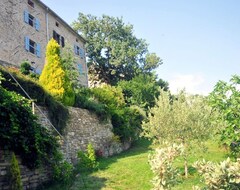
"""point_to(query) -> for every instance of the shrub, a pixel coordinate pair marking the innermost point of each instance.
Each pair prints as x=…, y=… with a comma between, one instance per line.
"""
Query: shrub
x=166, y=176
x=225, y=175
x=25, y=68
x=87, y=160
x=53, y=77
x=63, y=172
x=15, y=177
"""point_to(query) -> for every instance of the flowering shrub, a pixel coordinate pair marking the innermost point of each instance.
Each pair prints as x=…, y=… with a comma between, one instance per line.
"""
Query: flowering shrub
x=225, y=175
x=166, y=176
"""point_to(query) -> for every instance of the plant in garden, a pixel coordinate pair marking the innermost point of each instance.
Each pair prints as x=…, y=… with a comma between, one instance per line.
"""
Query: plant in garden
x=53, y=77
x=225, y=175
x=15, y=176
x=87, y=160
x=165, y=175
x=225, y=98
x=25, y=68
x=185, y=119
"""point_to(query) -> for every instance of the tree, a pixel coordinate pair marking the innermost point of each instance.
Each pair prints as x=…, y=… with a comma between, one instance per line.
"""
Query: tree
x=114, y=53
x=142, y=90
x=185, y=119
x=69, y=65
x=225, y=99
x=53, y=77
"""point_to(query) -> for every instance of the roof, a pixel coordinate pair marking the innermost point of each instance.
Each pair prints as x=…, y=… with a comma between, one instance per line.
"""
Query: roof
x=66, y=24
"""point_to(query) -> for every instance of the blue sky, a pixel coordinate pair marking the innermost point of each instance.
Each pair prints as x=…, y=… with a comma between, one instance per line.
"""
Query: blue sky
x=198, y=40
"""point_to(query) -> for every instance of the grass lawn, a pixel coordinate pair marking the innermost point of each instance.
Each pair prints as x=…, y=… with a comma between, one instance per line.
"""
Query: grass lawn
x=131, y=171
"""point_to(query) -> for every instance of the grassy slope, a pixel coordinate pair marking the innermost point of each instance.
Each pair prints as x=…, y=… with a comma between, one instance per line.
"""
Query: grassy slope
x=131, y=171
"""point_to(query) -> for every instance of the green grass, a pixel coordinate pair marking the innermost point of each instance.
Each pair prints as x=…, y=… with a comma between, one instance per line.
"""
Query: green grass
x=131, y=171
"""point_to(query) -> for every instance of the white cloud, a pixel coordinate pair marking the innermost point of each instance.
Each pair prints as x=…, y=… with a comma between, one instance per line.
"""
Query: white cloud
x=192, y=83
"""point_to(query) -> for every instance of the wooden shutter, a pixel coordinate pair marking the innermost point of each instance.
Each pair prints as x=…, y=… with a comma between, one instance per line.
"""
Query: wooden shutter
x=75, y=49
x=27, y=45
x=37, y=24
x=38, y=50
x=26, y=17
x=80, y=68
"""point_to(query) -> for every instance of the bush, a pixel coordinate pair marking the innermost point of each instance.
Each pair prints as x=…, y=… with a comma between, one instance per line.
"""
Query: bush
x=15, y=177
x=25, y=68
x=166, y=176
x=87, y=160
x=63, y=172
x=225, y=175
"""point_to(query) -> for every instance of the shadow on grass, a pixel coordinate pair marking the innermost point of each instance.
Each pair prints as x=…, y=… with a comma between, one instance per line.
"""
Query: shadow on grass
x=139, y=147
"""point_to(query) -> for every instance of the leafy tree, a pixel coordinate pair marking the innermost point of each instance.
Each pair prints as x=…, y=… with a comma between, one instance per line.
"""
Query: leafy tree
x=15, y=176
x=226, y=99
x=185, y=119
x=69, y=65
x=114, y=53
x=53, y=77
x=142, y=90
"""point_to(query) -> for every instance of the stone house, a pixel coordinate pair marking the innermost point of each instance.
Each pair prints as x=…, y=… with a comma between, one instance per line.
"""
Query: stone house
x=26, y=26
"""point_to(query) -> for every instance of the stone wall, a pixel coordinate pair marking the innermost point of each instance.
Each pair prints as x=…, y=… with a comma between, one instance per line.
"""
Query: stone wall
x=30, y=178
x=83, y=127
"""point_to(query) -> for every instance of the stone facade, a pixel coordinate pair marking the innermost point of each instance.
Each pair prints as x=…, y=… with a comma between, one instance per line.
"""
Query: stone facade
x=26, y=26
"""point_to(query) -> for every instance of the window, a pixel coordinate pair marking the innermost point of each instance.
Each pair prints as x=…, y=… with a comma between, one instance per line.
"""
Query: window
x=31, y=20
x=31, y=3
x=57, y=24
x=60, y=39
x=32, y=46
x=79, y=51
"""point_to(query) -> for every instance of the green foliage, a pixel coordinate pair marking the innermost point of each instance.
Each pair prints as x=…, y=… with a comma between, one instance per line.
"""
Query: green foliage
x=225, y=98
x=53, y=77
x=25, y=68
x=58, y=114
x=69, y=65
x=142, y=90
x=125, y=120
x=111, y=58
x=63, y=172
x=165, y=175
x=87, y=160
x=15, y=176
x=21, y=133
x=225, y=175
x=186, y=119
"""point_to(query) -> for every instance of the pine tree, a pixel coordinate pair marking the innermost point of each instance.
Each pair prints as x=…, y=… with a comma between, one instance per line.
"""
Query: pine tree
x=53, y=77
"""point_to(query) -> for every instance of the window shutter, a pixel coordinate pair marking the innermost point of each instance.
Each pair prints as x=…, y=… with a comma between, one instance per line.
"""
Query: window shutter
x=80, y=68
x=37, y=24
x=38, y=50
x=27, y=47
x=54, y=35
x=26, y=16
x=81, y=52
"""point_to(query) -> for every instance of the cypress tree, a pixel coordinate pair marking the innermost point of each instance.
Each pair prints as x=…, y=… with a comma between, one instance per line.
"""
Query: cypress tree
x=53, y=77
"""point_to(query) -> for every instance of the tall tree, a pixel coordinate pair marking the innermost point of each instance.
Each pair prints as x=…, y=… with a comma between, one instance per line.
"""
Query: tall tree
x=53, y=77
x=114, y=52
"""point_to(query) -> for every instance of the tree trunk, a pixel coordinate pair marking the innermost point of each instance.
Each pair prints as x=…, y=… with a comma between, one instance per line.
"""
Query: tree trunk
x=185, y=167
